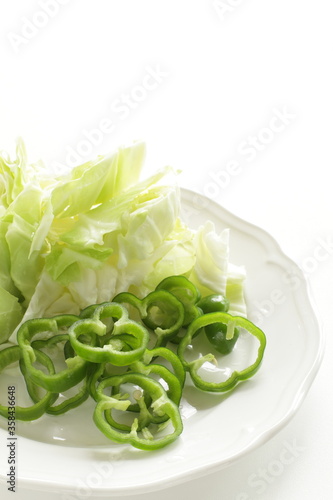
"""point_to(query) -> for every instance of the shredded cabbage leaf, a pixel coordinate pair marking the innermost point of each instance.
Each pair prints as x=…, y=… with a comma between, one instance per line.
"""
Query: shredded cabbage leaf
x=81, y=238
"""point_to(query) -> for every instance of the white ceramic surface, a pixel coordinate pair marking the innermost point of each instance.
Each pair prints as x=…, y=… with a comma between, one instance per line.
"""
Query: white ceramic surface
x=69, y=455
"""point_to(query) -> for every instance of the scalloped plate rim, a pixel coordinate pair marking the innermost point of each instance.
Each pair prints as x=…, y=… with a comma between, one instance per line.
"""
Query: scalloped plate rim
x=209, y=467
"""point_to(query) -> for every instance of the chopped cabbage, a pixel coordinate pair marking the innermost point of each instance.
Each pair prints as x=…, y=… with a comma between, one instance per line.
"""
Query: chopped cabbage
x=81, y=238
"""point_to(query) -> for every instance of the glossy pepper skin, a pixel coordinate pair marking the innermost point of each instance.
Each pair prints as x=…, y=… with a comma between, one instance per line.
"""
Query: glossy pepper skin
x=54, y=382
x=124, y=344
x=108, y=355
x=236, y=376
x=151, y=366
x=174, y=380
x=178, y=370
x=222, y=338
x=70, y=402
x=186, y=292
x=138, y=434
x=214, y=302
x=160, y=311
x=11, y=355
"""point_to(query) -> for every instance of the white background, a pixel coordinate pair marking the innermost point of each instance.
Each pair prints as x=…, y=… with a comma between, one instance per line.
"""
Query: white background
x=222, y=72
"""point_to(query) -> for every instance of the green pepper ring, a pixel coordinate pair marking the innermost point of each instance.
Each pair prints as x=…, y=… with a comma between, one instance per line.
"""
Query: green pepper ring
x=53, y=382
x=68, y=403
x=11, y=355
x=236, y=376
x=186, y=292
x=143, y=306
x=160, y=401
x=135, y=334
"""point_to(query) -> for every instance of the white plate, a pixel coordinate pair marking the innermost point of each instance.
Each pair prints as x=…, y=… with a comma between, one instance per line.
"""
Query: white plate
x=217, y=429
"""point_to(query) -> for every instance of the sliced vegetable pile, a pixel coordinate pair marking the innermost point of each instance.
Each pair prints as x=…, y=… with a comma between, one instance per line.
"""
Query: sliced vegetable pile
x=106, y=351
x=70, y=241
x=104, y=289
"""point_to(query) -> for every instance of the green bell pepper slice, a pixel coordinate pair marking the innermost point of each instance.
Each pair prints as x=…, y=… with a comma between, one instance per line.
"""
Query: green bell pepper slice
x=222, y=337
x=186, y=292
x=70, y=402
x=76, y=365
x=160, y=311
x=170, y=357
x=138, y=436
x=125, y=344
x=236, y=376
x=175, y=383
x=173, y=375
x=214, y=302
x=11, y=355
